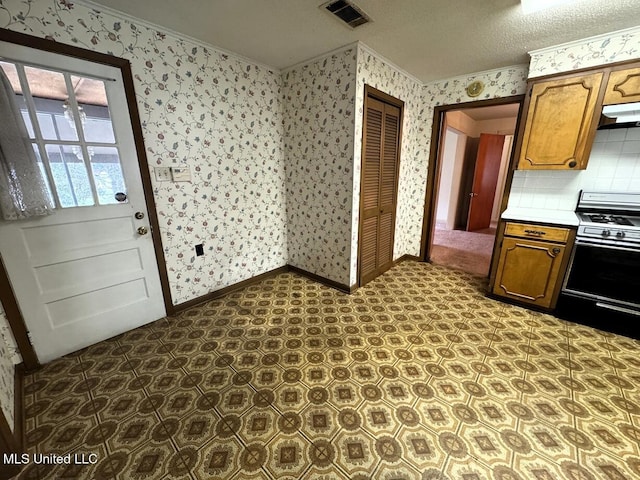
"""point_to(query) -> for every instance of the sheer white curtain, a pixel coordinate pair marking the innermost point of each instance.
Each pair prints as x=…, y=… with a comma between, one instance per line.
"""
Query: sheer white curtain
x=23, y=191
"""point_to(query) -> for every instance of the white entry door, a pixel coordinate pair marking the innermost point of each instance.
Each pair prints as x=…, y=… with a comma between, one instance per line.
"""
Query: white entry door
x=88, y=271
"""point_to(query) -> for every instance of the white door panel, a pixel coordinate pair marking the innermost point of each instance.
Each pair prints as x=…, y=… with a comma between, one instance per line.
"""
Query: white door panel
x=85, y=273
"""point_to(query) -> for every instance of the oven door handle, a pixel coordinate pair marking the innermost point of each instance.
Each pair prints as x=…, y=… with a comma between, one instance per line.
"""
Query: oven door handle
x=616, y=308
x=604, y=245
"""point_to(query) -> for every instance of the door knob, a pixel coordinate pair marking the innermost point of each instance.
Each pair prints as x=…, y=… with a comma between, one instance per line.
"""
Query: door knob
x=142, y=230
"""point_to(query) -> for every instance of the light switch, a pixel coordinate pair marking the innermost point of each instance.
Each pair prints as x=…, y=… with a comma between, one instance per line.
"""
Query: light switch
x=163, y=174
x=181, y=174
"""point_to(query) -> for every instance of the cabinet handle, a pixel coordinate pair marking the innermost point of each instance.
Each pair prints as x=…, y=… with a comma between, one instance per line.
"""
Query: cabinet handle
x=573, y=163
x=555, y=251
x=537, y=233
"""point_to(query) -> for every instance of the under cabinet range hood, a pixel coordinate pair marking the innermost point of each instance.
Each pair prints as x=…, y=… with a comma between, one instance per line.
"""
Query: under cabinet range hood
x=626, y=115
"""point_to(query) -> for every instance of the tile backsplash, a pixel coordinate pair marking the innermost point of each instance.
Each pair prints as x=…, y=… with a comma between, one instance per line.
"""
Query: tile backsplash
x=614, y=166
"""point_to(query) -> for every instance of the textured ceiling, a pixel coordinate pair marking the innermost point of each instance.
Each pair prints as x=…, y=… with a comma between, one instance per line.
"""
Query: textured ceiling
x=430, y=39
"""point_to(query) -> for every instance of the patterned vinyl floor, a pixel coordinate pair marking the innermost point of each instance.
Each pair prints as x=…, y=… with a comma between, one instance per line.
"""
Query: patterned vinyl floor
x=415, y=376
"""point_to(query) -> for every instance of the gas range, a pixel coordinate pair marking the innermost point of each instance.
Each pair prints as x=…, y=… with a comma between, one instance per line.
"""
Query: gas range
x=609, y=218
x=605, y=259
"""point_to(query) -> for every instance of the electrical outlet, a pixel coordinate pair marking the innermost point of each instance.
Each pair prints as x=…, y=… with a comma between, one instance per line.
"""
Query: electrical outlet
x=163, y=174
x=199, y=250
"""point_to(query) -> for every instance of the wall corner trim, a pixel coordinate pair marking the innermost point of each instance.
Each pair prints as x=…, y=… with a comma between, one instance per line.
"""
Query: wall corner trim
x=389, y=63
x=471, y=76
x=181, y=307
x=258, y=278
x=344, y=48
x=406, y=257
x=320, y=279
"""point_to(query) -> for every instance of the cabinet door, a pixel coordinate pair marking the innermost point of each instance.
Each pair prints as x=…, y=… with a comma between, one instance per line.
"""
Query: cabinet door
x=623, y=87
x=561, y=122
x=529, y=270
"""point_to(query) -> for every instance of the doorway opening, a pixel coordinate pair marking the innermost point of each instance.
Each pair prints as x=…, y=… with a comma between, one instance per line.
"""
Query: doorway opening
x=473, y=154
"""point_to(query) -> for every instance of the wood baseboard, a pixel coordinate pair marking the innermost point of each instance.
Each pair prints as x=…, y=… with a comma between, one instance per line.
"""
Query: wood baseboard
x=231, y=288
x=325, y=281
x=250, y=281
x=406, y=257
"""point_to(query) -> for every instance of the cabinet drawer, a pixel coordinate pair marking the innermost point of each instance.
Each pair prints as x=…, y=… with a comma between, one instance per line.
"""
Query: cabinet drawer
x=541, y=232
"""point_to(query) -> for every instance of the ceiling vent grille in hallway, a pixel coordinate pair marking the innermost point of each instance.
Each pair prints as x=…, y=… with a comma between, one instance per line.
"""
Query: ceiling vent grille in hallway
x=347, y=12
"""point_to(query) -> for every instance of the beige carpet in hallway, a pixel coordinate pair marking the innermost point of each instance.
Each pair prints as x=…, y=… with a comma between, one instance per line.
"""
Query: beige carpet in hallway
x=467, y=251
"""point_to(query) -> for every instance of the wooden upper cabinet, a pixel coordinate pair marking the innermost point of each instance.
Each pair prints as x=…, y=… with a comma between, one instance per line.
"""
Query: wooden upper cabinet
x=623, y=87
x=560, y=123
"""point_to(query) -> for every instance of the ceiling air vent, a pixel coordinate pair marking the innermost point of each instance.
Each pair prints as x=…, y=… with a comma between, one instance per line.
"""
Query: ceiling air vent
x=348, y=13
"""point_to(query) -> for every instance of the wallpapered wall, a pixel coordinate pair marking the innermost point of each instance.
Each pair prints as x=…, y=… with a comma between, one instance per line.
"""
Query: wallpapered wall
x=414, y=155
x=613, y=47
x=319, y=99
x=217, y=114
x=8, y=353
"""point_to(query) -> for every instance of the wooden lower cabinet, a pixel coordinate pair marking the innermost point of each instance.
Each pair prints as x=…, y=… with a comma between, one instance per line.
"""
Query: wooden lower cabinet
x=531, y=270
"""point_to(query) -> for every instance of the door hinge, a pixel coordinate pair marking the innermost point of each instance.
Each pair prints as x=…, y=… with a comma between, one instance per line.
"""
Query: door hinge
x=30, y=338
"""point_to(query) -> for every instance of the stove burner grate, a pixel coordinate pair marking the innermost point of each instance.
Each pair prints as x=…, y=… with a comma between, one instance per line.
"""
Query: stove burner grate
x=611, y=219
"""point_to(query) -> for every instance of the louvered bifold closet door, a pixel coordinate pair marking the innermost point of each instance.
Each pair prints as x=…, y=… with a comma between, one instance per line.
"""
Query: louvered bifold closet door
x=379, y=172
x=388, y=187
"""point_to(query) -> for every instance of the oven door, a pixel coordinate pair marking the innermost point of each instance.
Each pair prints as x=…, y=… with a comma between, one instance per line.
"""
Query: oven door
x=607, y=274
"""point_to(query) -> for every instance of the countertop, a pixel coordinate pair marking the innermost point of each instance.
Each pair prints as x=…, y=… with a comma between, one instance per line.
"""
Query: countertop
x=566, y=218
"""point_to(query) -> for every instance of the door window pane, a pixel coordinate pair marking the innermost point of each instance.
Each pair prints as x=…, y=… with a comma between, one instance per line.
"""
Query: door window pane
x=91, y=96
x=11, y=72
x=43, y=171
x=25, y=115
x=67, y=117
x=70, y=175
x=50, y=96
x=55, y=123
x=97, y=126
x=107, y=173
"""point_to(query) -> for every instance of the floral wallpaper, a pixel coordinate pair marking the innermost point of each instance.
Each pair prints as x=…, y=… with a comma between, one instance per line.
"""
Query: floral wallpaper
x=613, y=47
x=414, y=156
x=215, y=113
x=318, y=127
x=8, y=357
x=6, y=336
